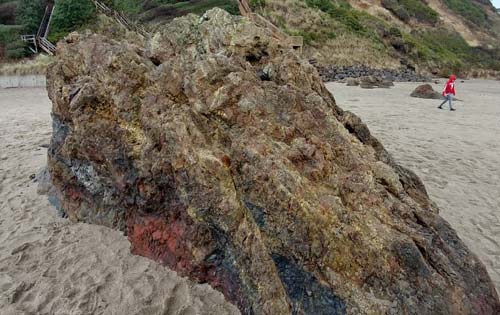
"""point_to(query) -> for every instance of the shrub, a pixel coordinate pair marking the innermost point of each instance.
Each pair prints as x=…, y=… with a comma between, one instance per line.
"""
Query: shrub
x=257, y=4
x=405, y=9
x=16, y=50
x=30, y=14
x=68, y=16
x=126, y=6
x=397, y=9
x=472, y=12
x=449, y=51
x=341, y=12
x=11, y=47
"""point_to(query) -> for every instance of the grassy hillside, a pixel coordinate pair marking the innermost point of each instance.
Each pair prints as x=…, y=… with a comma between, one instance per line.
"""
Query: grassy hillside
x=16, y=18
x=163, y=10
x=398, y=32
x=9, y=31
x=439, y=36
x=342, y=32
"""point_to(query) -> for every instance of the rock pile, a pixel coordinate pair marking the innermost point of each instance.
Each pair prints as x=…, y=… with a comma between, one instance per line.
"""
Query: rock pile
x=221, y=154
x=334, y=73
x=426, y=91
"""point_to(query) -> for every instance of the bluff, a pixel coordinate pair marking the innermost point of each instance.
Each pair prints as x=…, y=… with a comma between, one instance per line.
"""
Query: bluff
x=433, y=36
x=221, y=154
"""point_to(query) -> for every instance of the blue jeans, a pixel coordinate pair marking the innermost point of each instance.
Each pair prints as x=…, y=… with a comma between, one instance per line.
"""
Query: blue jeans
x=447, y=98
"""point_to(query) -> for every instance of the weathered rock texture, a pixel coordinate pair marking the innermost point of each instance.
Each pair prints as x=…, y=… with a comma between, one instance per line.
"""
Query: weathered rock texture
x=426, y=91
x=222, y=155
x=371, y=82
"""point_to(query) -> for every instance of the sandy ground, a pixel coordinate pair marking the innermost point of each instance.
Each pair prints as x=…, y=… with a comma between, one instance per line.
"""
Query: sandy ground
x=456, y=154
x=51, y=266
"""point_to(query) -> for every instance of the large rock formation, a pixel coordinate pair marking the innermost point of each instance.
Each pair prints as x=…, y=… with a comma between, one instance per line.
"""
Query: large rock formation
x=426, y=91
x=222, y=155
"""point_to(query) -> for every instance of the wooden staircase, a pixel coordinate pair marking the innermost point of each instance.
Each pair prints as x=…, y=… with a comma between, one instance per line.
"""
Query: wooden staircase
x=40, y=39
x=120, y=18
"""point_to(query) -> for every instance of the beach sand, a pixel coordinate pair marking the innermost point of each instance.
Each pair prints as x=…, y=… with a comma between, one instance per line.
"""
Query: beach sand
x=456, y=154
x=49, y=265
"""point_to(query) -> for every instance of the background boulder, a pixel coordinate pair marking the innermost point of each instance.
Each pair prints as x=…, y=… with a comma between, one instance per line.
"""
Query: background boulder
x=426, y=91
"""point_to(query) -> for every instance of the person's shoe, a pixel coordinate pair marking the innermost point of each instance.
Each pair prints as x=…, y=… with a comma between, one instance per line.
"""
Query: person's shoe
x=452, y=109
x=440, y=107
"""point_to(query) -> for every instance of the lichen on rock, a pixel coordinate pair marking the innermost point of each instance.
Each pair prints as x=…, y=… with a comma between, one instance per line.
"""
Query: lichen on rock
x=221, y=154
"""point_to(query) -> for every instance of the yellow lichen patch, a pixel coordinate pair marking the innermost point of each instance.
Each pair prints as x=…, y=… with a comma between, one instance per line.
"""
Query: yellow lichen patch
x=134, y=133
x=136, y=136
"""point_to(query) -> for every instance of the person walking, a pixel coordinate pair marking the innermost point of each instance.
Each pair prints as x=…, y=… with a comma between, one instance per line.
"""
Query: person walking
x=449, y=92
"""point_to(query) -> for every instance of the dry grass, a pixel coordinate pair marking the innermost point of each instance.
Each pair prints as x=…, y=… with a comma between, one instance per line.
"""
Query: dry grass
x=326, y=39
x=348, y=50
x=37, y=65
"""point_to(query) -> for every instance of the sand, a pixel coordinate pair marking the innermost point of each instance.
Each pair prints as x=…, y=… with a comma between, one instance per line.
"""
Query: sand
x=456, y=154
x=49, y=265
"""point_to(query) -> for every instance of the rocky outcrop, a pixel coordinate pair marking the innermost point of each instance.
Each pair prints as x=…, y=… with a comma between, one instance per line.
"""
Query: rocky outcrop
x=221, y=154
x=352, y=82
x=426, y=91
x=371, y=82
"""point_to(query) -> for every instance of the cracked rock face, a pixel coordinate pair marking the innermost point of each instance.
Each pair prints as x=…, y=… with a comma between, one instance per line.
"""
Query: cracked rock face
x=221, y=154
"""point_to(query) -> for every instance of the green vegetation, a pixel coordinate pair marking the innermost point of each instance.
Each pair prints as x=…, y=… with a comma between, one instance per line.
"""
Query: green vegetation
x=449, y=52
x=406, y=9
x=68, y=16
x=435, y=49
x=29, y=14
x=11, y=46
x=341, y=28
x=471, y=11
x=16, y=18
x=126, y=6
x=257, y=4
x=71, y=15
x=159, y=10
x=346, y=20
x=342, y=12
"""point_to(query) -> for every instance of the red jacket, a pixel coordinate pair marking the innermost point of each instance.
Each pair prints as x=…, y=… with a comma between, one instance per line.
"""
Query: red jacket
x=449, y=88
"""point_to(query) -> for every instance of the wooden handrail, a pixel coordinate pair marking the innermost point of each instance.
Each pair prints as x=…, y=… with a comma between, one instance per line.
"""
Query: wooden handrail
x=244, y=7
x=120, y=18
x=47, y=46
x=47, y=16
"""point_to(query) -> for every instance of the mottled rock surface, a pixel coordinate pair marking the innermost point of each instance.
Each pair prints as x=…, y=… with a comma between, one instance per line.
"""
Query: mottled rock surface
x=426, y=91
x=221, y=154
x=352, y=82
x=371, y=82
